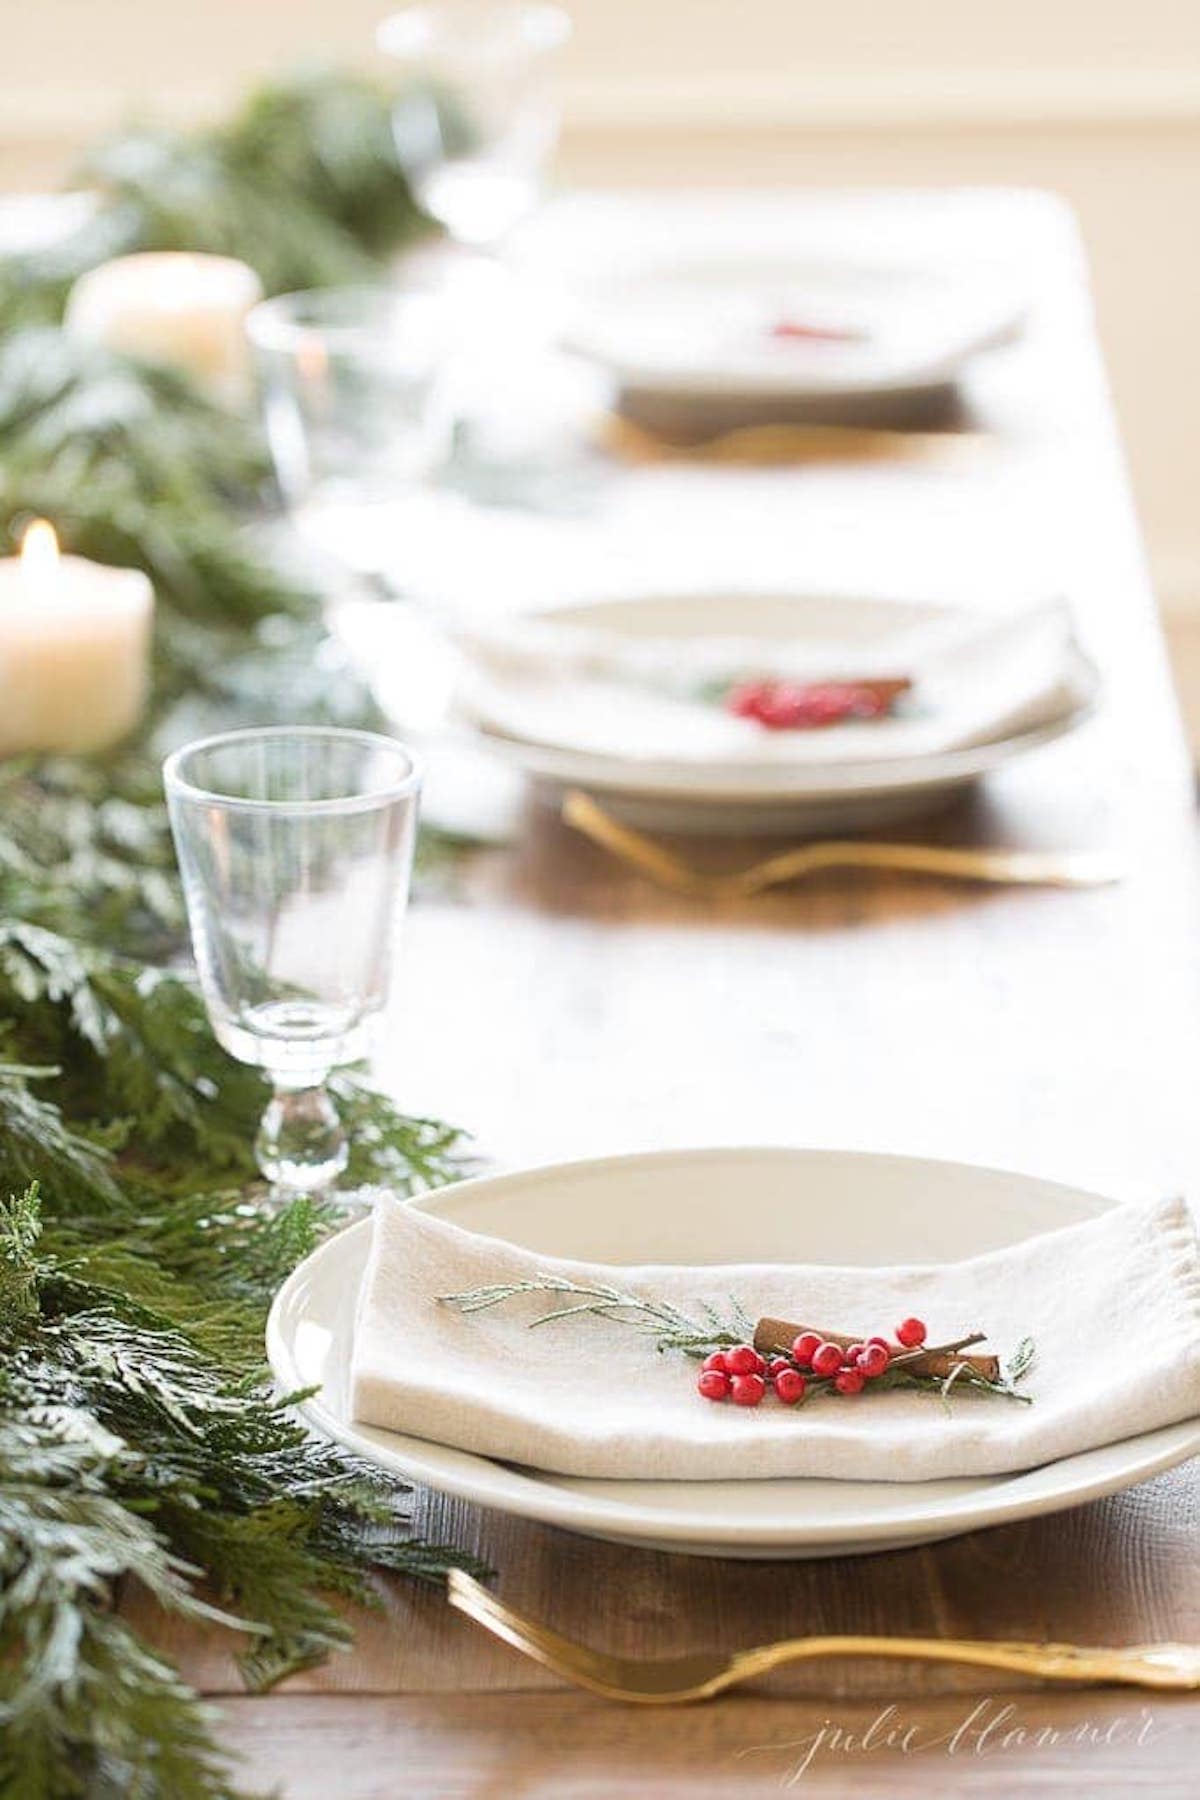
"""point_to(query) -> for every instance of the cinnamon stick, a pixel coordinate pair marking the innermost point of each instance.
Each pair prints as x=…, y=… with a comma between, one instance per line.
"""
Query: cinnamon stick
x=774, y=1337
x=885, y=688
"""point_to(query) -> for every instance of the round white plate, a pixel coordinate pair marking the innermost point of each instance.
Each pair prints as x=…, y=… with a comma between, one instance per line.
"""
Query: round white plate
x=703, y=325
x=674, y=1206
x=672, y=797
x=760, y=798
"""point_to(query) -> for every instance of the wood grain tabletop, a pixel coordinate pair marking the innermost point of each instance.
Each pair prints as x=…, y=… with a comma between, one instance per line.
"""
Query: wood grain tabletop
x=558, y=1005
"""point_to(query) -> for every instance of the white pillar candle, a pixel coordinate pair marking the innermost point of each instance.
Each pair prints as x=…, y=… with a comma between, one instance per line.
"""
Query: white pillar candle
x=74, y=648
x=172, y=306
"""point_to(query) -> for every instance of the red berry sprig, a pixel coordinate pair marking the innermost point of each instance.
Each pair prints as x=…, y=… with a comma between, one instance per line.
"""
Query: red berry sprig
x=798, y=1360
x=807, y=706
x=745, y=1377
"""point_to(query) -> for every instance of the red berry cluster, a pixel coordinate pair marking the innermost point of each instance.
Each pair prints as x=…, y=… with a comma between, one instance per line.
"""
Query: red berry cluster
x=742, y=1375
x=796, y=706
x=819, y=334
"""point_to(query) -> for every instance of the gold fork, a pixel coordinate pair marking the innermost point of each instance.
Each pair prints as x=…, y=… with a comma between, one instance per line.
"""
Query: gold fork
x=1021, y=868
x=783, y=444
x=676, y=1679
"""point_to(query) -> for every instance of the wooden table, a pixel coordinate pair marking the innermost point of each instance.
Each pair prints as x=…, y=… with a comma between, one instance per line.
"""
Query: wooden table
x=560, y=1006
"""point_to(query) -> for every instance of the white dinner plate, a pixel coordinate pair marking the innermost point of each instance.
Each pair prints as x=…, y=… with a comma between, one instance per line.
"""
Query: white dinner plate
x=749, y=798
x=707, y=326
x=674, y=1206
x=750, y=784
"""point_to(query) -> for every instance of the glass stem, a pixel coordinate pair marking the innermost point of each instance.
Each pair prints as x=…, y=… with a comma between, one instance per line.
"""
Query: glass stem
x=301, y=1145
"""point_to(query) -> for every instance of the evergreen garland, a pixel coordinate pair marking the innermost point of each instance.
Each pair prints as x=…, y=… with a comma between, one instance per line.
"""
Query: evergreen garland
x=303, y=184
x=139, y=1439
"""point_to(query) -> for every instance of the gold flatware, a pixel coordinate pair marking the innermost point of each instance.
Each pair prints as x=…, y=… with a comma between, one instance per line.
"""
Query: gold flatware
x=678, y=1679
x=779, y=445
x=1017, y=868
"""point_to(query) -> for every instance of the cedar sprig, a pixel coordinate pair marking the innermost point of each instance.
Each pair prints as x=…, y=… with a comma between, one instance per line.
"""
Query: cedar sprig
x=671, y=1328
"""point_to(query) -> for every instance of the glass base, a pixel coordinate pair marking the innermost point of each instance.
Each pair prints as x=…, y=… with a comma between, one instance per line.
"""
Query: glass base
x=301, y=1146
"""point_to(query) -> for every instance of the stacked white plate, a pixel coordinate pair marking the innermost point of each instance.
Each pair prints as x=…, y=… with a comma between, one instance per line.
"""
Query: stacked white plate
x=800, y=334
x=673, y=1206
x=764, y=781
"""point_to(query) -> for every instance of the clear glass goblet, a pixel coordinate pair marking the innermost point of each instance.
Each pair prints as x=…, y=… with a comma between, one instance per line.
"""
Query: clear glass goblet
x=295, y=847
x=477, y=119
x=357, y=412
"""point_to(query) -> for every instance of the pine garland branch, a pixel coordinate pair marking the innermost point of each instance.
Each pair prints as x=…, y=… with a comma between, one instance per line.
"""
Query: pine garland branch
x=39, y=1145
x=62, y=400
x=129, y=1449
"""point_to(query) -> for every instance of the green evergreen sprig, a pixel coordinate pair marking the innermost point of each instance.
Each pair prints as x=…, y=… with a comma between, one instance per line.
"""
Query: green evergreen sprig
x=667, y=1324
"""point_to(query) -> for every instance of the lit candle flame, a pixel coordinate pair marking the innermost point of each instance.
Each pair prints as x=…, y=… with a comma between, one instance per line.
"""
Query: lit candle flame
x=39, y=551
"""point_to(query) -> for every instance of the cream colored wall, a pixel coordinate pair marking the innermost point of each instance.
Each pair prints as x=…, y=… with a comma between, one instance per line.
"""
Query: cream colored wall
x=1099, y=99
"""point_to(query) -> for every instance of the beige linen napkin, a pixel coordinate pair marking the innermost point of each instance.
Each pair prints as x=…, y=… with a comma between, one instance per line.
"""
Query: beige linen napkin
x=979, y=677
x=1113, y=1306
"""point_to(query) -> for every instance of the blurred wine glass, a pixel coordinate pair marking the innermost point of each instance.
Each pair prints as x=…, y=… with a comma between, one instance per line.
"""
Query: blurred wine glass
x=477, y=120
x=353, y=391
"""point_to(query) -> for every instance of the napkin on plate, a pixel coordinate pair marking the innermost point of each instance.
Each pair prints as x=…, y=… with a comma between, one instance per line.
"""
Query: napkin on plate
x=979, y=677
x=1112, y=1304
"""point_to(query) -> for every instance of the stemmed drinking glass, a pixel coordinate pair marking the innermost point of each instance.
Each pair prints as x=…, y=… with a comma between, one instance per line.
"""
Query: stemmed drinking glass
x=295, y=847
x=477, y=119
x=357, y=414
